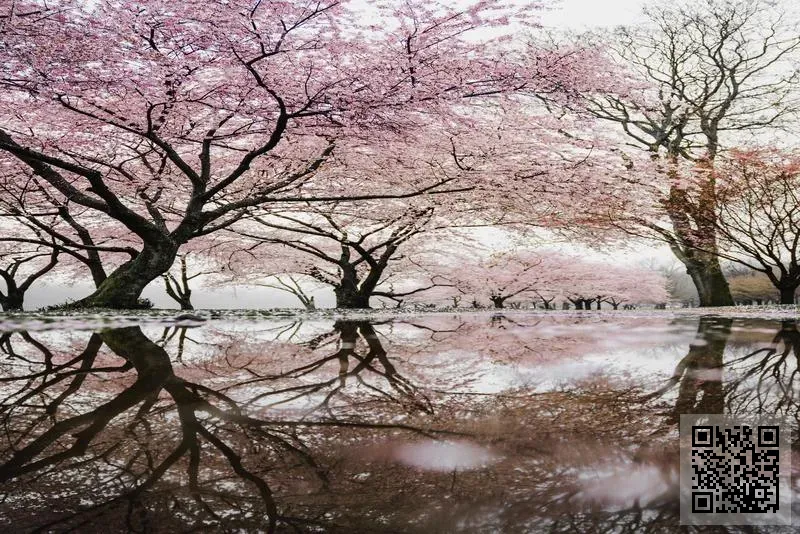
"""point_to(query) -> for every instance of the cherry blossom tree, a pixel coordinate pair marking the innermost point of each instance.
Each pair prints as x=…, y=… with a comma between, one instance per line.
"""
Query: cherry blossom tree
x=372, y=248
x=361, y=252
x=548, y=275
x=176, y=120
x=520, y=273
x=618, y=285
x=20, y=269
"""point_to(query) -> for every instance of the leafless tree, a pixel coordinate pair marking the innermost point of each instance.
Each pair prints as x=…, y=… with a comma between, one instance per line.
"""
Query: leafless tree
x=718, y=70
x=758, y=221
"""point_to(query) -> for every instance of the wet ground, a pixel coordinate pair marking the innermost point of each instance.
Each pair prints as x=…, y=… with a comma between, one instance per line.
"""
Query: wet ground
x=437, y=423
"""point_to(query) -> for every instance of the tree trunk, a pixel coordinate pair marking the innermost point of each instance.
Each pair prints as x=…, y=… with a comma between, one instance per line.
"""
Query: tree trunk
x=787, y=295
x=699, y=391
x=499, y=302
x=701, y=265
x=123, y=287
x=12, y=301
x=348, y=296
x=578, y=304
x=615, y=306
x=712, y=287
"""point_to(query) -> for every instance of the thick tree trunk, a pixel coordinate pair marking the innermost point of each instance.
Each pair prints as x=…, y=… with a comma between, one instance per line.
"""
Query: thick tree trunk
x=787, y=295
x=348, y=296
x=578, y=304
x=712, y=287
x=13, y=300
x=123, y=287
x=696, y=246
x=499, y=302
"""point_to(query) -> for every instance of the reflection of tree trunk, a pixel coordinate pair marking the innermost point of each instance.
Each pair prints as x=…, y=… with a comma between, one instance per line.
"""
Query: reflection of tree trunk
x=153, y=369
x=375, y=361
x=348, y=335
x=699, y=373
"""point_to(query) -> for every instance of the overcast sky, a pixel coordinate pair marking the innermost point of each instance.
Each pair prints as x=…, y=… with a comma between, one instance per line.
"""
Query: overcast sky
x=580, y=14
x=566, y=14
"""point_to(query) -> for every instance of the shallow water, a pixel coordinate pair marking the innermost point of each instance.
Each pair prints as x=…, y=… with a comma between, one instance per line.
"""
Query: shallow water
x=437, y=423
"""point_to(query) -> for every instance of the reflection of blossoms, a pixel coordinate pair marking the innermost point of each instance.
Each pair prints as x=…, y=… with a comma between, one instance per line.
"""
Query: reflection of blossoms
x=278, y=425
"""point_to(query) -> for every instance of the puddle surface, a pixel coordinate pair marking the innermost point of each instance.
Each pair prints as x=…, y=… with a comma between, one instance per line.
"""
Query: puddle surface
x=470, y=423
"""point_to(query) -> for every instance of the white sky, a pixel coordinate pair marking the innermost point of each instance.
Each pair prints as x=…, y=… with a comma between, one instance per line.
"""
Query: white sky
x=585, y=14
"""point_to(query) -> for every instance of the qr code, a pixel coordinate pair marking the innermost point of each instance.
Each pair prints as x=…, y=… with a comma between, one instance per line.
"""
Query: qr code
x=734, y=472
x=736, y=469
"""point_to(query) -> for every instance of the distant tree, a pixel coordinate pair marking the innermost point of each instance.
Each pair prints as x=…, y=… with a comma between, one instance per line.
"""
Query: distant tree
x=20, y=270
x=177, y=280
x=290, y=284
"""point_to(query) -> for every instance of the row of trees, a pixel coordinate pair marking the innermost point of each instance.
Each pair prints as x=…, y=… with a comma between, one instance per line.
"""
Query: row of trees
x=305, y=141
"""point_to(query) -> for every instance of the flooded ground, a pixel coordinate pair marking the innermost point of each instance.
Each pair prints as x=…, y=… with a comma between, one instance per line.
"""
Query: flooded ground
x=437, y=423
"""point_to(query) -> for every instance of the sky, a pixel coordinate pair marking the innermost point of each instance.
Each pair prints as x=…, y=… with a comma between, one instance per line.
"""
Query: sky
x=584, y=14
x=559, y=15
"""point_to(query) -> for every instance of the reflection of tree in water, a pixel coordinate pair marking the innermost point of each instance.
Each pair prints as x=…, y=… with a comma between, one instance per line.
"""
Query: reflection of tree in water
x=710, y=380
x=354, y=362
x=130, y=440
x=698, y=375
x=764, y=380
x=84, y=443
x=761, y=381
x=108, y=430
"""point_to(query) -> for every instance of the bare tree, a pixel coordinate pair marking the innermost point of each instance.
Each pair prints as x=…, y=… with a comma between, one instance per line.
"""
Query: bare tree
x=758, y=218
x=716, y=69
